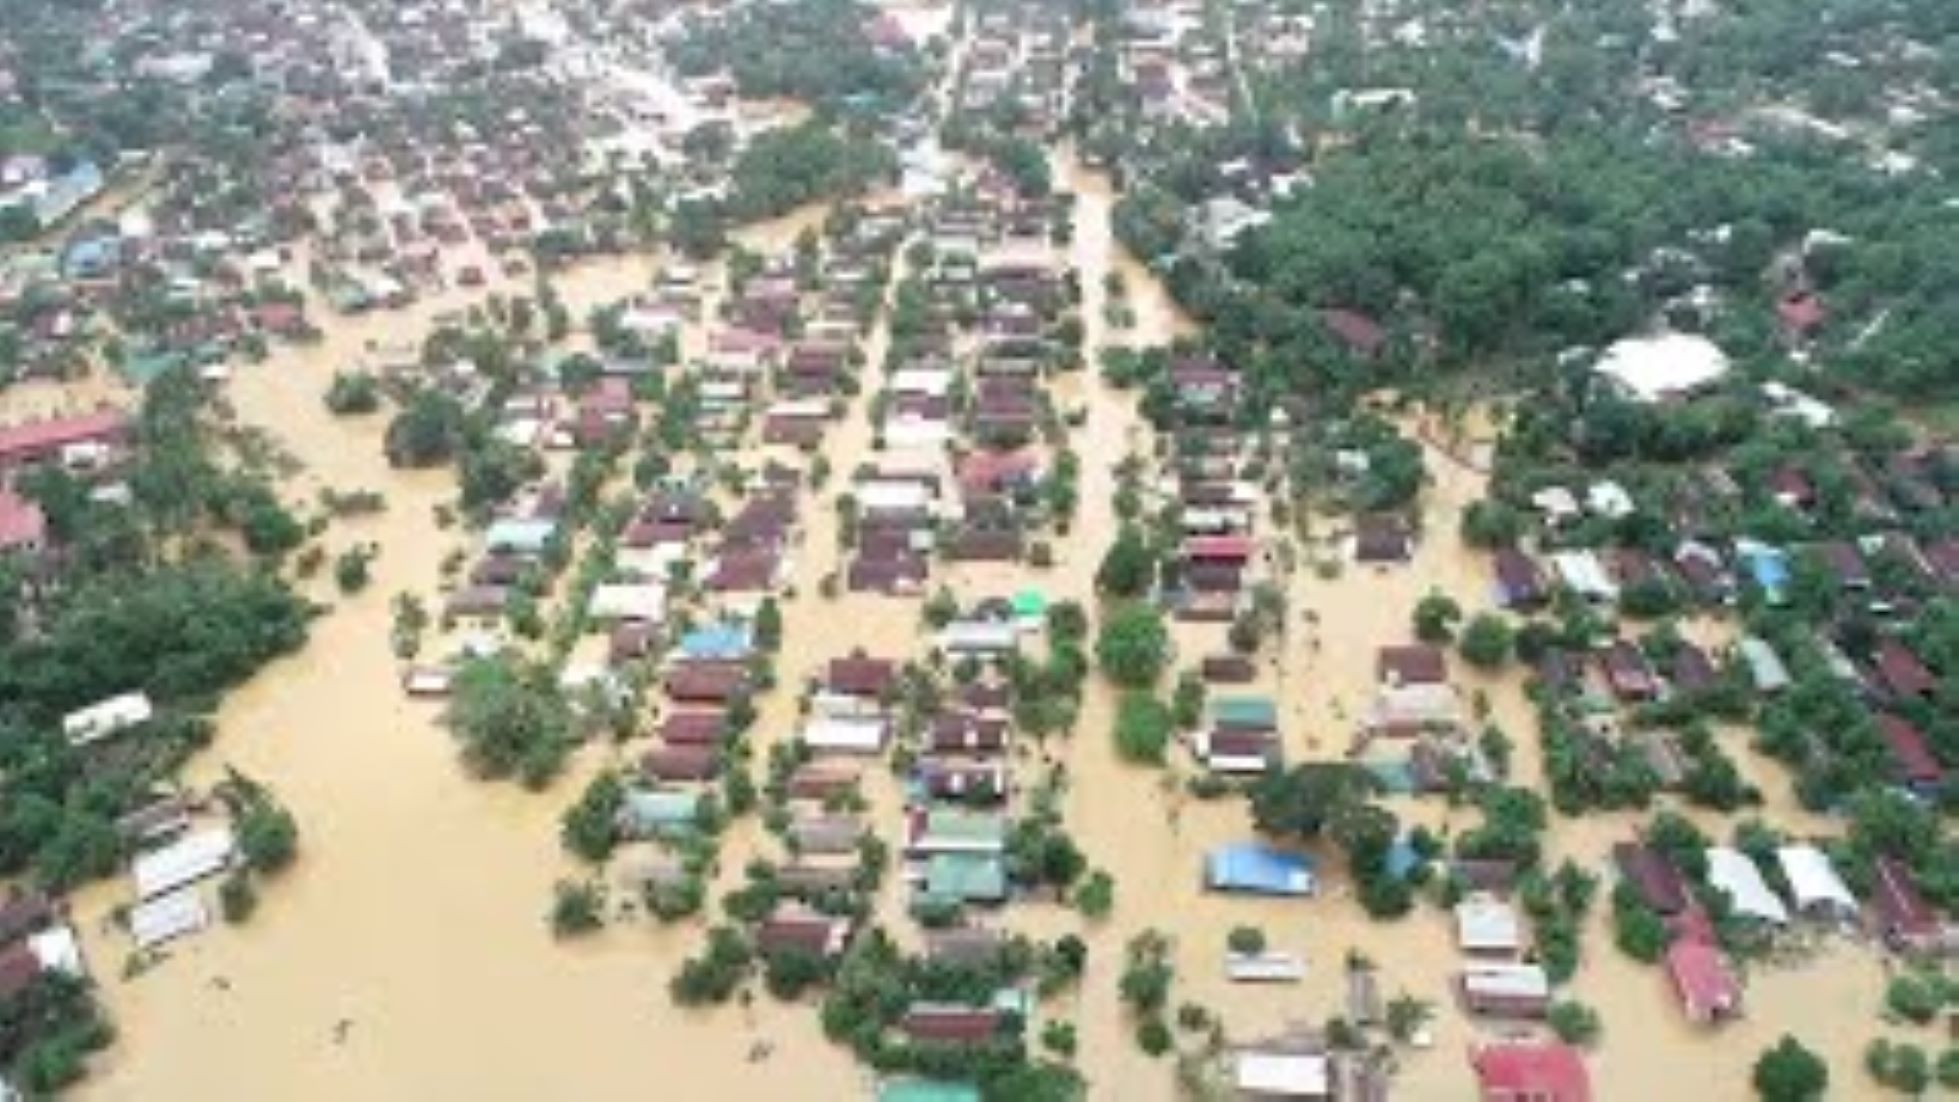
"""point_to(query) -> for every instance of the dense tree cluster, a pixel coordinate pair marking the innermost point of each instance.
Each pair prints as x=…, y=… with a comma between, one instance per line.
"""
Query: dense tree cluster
x=816, y=52
x=785, y=169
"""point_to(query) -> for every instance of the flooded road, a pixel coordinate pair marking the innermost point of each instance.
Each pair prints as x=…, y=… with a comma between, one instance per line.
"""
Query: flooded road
x=406, y=955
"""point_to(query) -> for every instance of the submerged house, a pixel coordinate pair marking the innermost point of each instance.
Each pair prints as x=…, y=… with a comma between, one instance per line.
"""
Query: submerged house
x=1702, y=980
x=1258, y=870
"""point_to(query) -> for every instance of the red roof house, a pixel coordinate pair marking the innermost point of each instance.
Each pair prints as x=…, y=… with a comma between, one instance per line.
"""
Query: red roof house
x=1912, y=762
x=23, y=526
x=1901, y=671
x=860, y=675
x=35, y=441
x=1701, y=979
x=955, y=1025
x=1531, y=1072
x=1903, y=917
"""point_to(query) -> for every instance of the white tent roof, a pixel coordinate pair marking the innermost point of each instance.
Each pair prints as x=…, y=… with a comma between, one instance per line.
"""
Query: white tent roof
x=1814, y=880
x=1731, y=871
x=1282, y=1074
x=185, y=861
x=167, y=917
x=892, y=495
x=1652, y=368
x=846, y=734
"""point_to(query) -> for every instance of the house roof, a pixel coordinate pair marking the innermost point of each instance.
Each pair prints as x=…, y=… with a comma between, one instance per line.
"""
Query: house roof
x=859, y=675
x=1659, y=884
x=1899, y=903
x=1652, y=369
x=1734, y=873
x=1911, y=757
x=1901, y=670
x=1701, y=978
x=1531, y=1072
x=706, y=680
x=1380, y=537
x=35, y=439
x=1411, y=664
x=1485, y=924
x=1360, y=333
x=1257, y=713
x=694, y=728
x=950, y=1024
x=1518, y=574
x=1227, y=548
x=1258, y=869
x=22, y=522
x=1813, y=880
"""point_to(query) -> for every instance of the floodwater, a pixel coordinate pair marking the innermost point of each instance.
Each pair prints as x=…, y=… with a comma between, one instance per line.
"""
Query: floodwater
x=406, y=954
x=416, y=914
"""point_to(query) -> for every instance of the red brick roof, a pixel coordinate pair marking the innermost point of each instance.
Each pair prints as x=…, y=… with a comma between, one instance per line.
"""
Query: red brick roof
x=1532, y=1072
x=1701, y=979
x=39, y=439
x=22, y=523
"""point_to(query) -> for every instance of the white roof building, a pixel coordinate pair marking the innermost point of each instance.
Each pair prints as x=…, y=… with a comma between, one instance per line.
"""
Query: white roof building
x=1609, y=499
x=979, y=637
x=893, y=496
x=1814, y=882
x=1487, y=925
x=1731, y=871
x=1494, y=980
x=100, y=720
x=1263, y=1074
x=1556, y=503
x=644, y=602
x=1670, y=365
x=839, y=734
x=167, y=917
x=1583, y=573
x=181, y=863
x=1266, y=967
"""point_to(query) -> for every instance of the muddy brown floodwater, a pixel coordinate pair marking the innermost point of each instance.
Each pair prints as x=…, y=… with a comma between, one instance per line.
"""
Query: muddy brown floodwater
x=406, y=956
x=416, y=916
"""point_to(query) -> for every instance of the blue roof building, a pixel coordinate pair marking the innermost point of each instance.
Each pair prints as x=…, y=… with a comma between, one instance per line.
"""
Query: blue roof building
x=722, y=642
x=1768, y=566
x=1258, y=870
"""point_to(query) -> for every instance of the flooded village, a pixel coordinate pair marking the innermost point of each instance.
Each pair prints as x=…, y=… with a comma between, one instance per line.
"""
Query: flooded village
x=971, y=550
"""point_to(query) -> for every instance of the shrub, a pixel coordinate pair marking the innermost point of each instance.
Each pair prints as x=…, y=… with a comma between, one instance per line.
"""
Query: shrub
x=1246, y=940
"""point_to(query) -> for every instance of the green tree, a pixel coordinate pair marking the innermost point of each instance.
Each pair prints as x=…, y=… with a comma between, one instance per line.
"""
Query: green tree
x=510, y=719
x=577, y=907
x=1134, y=646
x=1436, y=616
x=590, y=828
x=1574, y=1023
x=353, y=393
x=1246, y=940
x=768, y=625
x=1490, y=524
x=1096, y=895
x=1143, y=726
x=1789, y=1072
x=1486, y=641
x=1128, y=567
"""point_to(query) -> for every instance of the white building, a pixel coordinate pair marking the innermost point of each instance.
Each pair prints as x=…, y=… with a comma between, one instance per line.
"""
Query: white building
x=1658, y=368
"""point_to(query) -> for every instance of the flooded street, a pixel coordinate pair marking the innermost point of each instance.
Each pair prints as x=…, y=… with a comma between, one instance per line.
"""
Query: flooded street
x=406, y=954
